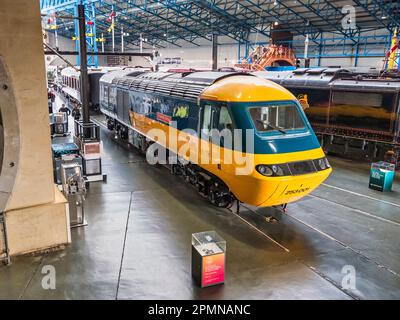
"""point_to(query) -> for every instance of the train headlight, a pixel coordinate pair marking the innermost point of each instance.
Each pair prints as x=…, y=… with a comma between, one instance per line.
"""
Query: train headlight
x=277, y=170
x=322, y=164
x=264, y=170
x=328, y=165
x=272, y=170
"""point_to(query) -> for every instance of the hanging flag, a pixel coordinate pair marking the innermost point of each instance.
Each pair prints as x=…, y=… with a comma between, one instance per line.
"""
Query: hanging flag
x=110, y=18
x=393, y=50
x=52, y=24
x=111, y=27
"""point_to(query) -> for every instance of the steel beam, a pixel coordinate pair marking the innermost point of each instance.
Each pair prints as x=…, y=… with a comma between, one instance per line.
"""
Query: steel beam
x=373, y=8
x=83, y=63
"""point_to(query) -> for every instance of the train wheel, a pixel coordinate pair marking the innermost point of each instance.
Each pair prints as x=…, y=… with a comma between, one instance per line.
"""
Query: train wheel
x=176, y=169
x=110, y=125
x=143, y=144
x=219, y=197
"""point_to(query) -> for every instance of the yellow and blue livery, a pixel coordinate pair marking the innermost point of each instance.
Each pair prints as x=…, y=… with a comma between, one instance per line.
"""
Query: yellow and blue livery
x=286, y=159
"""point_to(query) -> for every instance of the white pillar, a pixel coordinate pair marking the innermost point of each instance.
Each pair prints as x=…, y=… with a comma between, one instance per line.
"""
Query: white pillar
x=122, y=39
x=306, y=47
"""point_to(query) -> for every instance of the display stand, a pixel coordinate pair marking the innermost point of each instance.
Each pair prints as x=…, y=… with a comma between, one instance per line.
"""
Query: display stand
x=208, y=258
x=381, y=176
x=58, y=124
x=87, y=138
x=73, y=187
x=64, y=153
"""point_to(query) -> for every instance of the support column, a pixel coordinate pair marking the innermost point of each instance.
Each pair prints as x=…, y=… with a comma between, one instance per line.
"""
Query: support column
x=239, y=52
x=84, y=70
x=214, y=51
x=35, y=210
x=320, y=48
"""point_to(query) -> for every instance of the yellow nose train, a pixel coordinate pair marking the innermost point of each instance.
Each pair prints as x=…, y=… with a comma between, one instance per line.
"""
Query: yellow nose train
x=283, y=160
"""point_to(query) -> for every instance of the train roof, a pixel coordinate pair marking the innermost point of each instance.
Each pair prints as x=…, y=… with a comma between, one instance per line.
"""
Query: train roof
x=365, y=79
x=122, y=72
x=69, y=71
x=243, y=88
x=188, y=85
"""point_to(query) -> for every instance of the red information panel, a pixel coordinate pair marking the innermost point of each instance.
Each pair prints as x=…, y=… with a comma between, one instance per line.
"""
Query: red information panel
x=163, y=118
x=91, y=148
x=213, y=271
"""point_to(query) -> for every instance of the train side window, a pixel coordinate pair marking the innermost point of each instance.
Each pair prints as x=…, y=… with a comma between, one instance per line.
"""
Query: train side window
x=112, y=98
x=225, y=120
x=126, y=106
x=225, y=128
x=120, y=104
x=104, y=95
x=362, y=110
x=207, y=119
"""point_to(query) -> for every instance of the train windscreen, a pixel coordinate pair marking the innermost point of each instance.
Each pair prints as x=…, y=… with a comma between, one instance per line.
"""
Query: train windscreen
x=277, y=118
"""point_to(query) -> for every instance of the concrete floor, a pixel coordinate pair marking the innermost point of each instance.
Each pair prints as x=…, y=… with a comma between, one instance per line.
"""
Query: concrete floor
x=137, y=244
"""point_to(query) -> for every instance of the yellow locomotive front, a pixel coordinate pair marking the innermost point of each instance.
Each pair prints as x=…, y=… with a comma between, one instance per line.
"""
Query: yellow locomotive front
x=277, y=142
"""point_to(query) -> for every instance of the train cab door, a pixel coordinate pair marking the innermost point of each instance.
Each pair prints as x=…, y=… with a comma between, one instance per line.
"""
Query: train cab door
x=214, y=120
x=208, y=111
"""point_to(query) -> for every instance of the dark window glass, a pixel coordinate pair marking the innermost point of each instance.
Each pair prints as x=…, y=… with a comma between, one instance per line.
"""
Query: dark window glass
x=112, y=98
x=317, y=101
x=126, y=106
x=104, y=96
x=225, y=120
x=207, y=119
x=362, y=110
x=120, y=104
x=276, y=117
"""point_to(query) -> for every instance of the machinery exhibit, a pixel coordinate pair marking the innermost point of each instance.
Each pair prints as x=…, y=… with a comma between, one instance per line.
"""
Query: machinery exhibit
x=199, y=150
